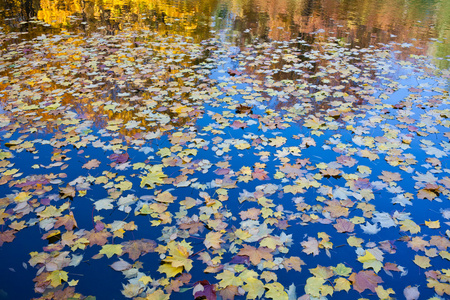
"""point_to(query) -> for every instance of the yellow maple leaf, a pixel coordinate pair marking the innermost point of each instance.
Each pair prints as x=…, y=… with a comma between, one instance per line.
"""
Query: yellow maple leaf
x=228, y=278
x=110, y=250
x=276, y=291
x=179, y=253
x=73, y=282
x=439, y=287
x=313, y=285
x=165, y=197
x=384, y=294
x=254, y=288
x=170, y=270
x=242, y=146
x=445, y=255
x=433, y=224
x=341, y=284
x=145, y=279
x=341, y=270
x=366, y=257
x=22, y=197
x=354, y=241
x=213, y=240
x=124, y=185
x=313, y=122
x=131, y=290
x=409, y=225
x=157, y=295
x=154, y=176
x=56, y=277
x=422, y=261
x=270, y=242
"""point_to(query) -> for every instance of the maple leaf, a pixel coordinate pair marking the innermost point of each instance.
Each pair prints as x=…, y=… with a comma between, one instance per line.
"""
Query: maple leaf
x=313, y=285
x=252, y=213
x=254, y=288
x=341, y=270
x=170, y=270
x=93, y=163
x=137, y=248
x=364, y=280
x=277, y=141
x=426, y=194
x=259, y=174
x=442, y=243
x=341, y=284
x=131, y=290
x=68, y=191
x=179, y=255
x=165, y=197
x=390, y=176
x=275, y=291
x=433, y=224
x=56, y=277
x=439, y=287
x=311, y=246
x=110, y=250
x=238, y=124
x=366, y=257
x=343, y=225
x=422, y=261
x=313, y=122
x=153, y=177
x=228, y=278
x=335, y=209
x=354, y=241
x=213, y=240
x=409, y=225
x=417, y=243
x=229, y=292
x=293, y=262
x=384, y=294
x=256, y=254
x=104, y=204
x=98, y=238
x=7, y=236
x=68, y=221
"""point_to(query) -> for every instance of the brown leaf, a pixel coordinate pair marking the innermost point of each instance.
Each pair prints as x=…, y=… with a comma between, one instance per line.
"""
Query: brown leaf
x=7, y=236
x=138, y=247
x=98, y=238
x=68, y=221
x=229, y=292
x=293, y=262
x=256, y=254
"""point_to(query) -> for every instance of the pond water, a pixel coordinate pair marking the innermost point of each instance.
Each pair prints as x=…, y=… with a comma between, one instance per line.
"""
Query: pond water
x=224, y=149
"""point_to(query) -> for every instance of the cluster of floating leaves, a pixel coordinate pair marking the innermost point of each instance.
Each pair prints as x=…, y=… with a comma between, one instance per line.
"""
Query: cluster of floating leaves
x=248, y=163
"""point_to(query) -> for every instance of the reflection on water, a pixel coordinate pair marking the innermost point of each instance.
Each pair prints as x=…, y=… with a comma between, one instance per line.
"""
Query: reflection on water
x=356, y=22
x=362, y=21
